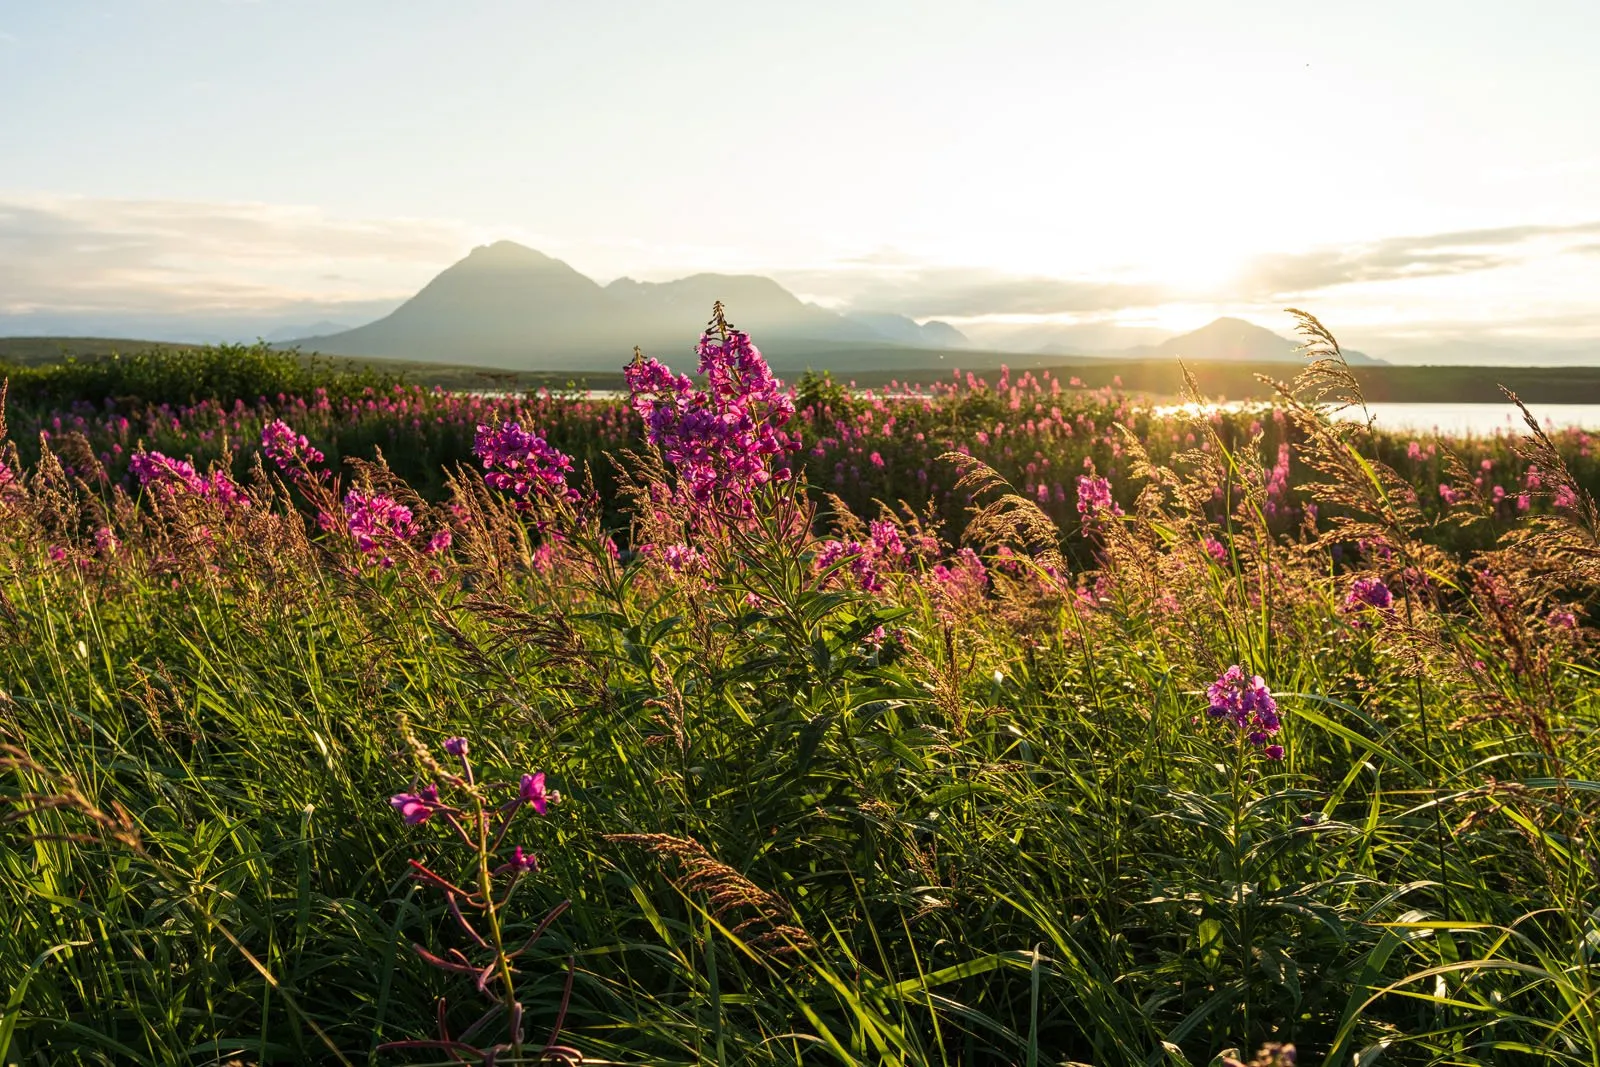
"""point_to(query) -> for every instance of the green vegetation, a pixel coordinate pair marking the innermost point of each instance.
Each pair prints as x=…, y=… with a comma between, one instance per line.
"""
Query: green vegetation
x=834, y=789
x=1155, y=377
x=57, y=372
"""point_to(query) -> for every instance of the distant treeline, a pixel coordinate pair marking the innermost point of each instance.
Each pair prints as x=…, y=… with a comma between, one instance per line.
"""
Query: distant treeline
x=49, y=372
x=55, y=372
x=1242, y=381
x=185, y=376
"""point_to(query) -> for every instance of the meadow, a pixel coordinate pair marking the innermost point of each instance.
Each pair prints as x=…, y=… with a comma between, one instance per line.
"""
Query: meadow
x=348, y=721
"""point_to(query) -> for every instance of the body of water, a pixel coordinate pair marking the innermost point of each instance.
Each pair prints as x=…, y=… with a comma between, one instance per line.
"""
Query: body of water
x=1424, y=418
x=1480, y=418
x=1458, y=419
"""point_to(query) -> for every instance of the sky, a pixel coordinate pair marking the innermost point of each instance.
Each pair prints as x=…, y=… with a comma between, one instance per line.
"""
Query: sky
x=1412, y=172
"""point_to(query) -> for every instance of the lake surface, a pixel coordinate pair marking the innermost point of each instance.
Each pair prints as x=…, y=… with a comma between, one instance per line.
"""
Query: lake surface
x=1423, y=418
x=1448, y=418
x=1479, y=418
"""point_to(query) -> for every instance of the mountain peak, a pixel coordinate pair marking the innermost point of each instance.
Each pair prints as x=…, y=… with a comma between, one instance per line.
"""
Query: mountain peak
x=508, y=254
x=1232, y=339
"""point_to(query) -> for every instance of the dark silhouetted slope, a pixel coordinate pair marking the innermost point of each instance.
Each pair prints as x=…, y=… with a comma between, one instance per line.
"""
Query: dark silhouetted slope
x=1230, y=340
x=509, y=306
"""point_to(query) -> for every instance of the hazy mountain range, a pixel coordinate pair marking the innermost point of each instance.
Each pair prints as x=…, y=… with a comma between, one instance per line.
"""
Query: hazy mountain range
x=505, y=305
x=509, y=306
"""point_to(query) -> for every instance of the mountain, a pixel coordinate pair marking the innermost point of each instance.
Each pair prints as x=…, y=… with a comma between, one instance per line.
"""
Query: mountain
x=908, y=331
x=1062, y=339
x=1231, y=340
x=507, y=305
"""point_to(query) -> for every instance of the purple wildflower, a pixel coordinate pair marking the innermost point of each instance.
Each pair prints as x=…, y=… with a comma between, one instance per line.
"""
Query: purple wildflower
x=1095, y=503
x=160, y=473
x=155, y=469
x=292, y=453
x=1246, y=702
x=728, y=440
x=523, y=462
x=1368, y=594
x=377, y=522
x=456, y=746
x=959, y=582
x=416, y=807
x=533, y=792
x=886, y=540
x=863, y=565
x=683, y=559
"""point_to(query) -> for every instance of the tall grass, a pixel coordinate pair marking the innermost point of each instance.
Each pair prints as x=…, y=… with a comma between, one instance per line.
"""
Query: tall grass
x=1000, y=829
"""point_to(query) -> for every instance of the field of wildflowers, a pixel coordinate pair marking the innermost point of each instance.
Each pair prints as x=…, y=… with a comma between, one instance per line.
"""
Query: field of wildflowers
x=1003, y=723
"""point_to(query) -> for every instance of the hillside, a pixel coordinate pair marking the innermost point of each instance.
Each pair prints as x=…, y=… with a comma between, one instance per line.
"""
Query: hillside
x=506, y=305
x=509, y=306
x=1230, y=340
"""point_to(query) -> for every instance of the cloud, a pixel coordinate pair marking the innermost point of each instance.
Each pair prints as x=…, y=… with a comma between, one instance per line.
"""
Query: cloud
x=93, y=254
x=1286, y=275
x=958, y=292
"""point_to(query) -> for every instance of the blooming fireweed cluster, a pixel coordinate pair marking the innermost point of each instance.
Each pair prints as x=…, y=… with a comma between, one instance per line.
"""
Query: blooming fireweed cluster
x=729, y=723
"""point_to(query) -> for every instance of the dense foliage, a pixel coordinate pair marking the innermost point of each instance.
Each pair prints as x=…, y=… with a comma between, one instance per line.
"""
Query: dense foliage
x=188, y=375
x=1159, y=754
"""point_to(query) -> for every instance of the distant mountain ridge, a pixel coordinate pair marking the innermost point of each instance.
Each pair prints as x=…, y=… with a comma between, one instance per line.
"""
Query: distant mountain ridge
x=510, y=306
x=507, y=305
x=1231, y=340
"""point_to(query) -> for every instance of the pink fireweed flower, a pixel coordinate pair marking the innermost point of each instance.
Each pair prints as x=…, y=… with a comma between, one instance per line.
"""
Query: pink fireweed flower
x=1368, y=594
x=1216, y=549
x=886, y=541
x=683, y=559
x=155, y=469
x=456, y=746
x=728, y=440
x=415, y=808
x=533, y=792
x=1094, y=497
x=163, y=474
x=959, y=583
x=1247, y=703
x=377, y=522
x=863, y=565
x=523, y=462
x=292, y=453
x=521, y=861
